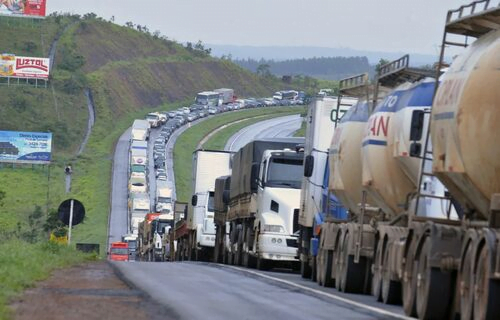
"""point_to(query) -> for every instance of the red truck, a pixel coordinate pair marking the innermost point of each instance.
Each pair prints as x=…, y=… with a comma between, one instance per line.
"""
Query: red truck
x=119, y=251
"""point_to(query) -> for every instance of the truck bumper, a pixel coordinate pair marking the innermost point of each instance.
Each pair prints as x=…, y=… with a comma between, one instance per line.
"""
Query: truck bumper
x=278, y=247
x=207, y=240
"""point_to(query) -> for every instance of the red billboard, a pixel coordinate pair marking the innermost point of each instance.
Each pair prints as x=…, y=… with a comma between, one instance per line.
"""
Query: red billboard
x=24, y=67
x=23, y=7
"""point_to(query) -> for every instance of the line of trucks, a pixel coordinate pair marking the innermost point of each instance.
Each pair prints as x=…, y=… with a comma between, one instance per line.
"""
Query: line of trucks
x=395, y=191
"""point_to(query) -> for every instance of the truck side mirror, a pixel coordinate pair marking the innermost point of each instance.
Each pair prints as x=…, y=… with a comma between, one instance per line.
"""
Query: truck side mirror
x=308, y=166
x=417, y=125
x=194, y=200
x=225, y=197
x=254, y=177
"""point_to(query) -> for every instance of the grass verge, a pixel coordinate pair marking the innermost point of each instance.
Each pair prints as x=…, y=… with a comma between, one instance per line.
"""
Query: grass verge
x=187, y=142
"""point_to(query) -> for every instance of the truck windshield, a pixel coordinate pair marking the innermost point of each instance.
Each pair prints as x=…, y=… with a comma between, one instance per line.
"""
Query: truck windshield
x=162, y=226
x=132, y=244
x=285, y=172
x=210, y=205
x=152, y=117
x=120, y=251
x=164, y=200
x=138, y=168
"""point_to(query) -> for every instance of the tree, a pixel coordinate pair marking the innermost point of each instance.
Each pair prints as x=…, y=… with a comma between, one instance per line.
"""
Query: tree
x=264, y=70
x=129, y=24
x=380, y=63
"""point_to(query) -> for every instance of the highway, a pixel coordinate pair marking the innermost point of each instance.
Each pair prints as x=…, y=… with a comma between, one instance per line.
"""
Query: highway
x=197, y=290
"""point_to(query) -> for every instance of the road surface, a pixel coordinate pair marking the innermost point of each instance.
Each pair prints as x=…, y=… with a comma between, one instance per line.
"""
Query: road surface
x=193, y=290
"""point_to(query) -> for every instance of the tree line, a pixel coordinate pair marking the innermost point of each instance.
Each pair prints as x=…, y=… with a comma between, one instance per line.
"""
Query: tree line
x=331, y=68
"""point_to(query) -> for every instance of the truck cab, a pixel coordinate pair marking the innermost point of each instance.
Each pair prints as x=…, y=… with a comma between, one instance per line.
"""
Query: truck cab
x=278, y=199
x=203, y=208
x=119, y=251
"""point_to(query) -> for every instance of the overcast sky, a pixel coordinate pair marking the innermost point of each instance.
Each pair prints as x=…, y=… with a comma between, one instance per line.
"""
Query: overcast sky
x=377, y=25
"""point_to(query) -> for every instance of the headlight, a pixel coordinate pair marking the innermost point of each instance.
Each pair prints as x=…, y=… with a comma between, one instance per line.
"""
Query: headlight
x=272, y=228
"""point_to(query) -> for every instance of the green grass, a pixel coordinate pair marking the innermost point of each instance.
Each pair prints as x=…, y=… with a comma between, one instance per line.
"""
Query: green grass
x=188, y=141
x=302, y=131
x=22, y=264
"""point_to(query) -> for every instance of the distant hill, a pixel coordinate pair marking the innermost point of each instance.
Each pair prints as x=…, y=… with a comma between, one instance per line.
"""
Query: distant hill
x=127, y=69
x=280, y=53
x=331, y=68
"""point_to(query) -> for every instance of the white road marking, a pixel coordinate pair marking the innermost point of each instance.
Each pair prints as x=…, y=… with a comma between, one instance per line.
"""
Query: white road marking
x=325, y=294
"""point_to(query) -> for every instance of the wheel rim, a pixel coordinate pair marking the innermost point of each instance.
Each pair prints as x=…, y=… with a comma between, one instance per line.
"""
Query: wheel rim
x=481, y=285
x=345, y=256
x=377, y=272
x=466, y=285
x=410, y=281
x=423, y=281
x=386, y=275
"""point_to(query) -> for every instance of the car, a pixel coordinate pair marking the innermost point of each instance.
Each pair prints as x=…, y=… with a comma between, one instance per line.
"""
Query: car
x=191, y=117
x=165, y=136
x=160, y=171
x=162, y=177
x=171, y=114
x=159, y=162
x=158, y=141
x=212, y=110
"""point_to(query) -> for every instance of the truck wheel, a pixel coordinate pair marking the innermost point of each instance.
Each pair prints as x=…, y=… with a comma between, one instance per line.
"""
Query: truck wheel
x=248, y=259
x=391, y=289
x=328, y=280
x=433, y=287
x=409, y=281
x=320, y=276
x=353, y=274
x=305, y=269
x=377, y=271
x=263, y=264
x=313, y=269
x=486, y=291
x=466, y=284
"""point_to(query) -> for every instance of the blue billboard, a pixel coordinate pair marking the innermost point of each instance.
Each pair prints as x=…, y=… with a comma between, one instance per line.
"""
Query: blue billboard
x=25, y=147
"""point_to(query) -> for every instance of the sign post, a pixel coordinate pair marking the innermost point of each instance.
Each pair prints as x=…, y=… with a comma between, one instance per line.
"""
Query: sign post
x=70, y=221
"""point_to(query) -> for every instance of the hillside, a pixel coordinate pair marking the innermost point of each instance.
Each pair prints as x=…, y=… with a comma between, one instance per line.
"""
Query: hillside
x=129, y=73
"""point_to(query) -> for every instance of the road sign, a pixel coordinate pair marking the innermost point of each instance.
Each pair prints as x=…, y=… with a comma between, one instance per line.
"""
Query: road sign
x=64, y=212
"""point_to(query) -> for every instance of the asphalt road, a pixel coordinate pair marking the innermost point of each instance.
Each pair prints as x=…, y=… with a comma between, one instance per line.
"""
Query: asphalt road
x=272, y=128
x=192, y=290
x=209, y=291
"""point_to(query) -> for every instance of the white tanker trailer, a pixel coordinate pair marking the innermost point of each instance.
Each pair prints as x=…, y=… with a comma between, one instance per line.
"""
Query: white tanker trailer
x=405, y=192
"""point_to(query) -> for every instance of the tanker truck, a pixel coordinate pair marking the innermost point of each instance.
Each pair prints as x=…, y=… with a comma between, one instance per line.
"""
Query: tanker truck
x=453, y=267
x=320, y=122
x=374, y=177
x=263, y=204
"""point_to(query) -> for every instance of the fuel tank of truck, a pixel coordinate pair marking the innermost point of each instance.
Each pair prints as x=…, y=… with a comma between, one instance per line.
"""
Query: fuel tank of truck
x=345, y=157
x=465, y=125
x=389, y=174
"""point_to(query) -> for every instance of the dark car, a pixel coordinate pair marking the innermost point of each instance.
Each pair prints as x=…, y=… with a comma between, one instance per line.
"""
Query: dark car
x=159, y=162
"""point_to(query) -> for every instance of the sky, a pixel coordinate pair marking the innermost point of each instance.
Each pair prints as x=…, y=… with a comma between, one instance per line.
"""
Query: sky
x=375, y=25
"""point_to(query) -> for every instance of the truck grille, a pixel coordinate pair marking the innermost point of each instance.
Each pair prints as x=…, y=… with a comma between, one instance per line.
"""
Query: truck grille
x=292, y=243
x=295, y=220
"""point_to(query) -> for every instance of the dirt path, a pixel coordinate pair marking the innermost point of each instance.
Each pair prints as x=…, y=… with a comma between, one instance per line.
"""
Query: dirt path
x=90, y=291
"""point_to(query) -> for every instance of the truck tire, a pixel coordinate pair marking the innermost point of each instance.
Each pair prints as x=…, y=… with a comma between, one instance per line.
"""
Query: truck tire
x=325, y=271
x=466, y=284
x=409, y=285
x=434, y=287
x=248, y=259
x=377, y=271
x=487, y=291
x=263, y=264
x=305, y=269
x=391, y=289
x=352, y=274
